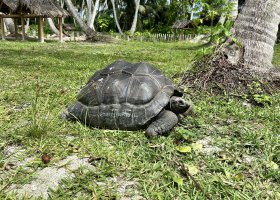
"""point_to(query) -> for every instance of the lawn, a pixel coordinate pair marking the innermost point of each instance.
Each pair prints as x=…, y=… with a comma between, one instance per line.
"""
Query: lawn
x=229, y=146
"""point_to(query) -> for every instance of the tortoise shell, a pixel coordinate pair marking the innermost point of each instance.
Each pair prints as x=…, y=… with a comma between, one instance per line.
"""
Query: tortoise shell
x=123, y=96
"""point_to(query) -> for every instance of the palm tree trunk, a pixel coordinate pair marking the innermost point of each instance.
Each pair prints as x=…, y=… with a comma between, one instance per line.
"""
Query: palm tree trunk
x=134, y=23
x=91, y=34
x=116, y=18
x=52, y=26
x=256, y=28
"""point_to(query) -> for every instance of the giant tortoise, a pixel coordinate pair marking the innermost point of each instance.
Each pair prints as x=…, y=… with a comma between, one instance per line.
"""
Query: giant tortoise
x=129, y=96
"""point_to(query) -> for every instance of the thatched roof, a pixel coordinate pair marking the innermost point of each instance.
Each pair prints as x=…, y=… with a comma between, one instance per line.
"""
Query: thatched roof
x=181, y=24
x=12, y=4
x=48, y=8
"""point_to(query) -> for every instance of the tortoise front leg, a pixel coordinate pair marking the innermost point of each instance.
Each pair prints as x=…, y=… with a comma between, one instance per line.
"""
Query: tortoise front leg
x=164, y=122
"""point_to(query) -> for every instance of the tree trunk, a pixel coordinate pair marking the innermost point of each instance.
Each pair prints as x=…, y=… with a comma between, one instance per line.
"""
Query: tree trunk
x=62, y=6
x=83, y=10
x=89, y=8
x=27, y=25
x=52, y=26
x=92, y=11
x=85, y=28
x=192, y=10
x=62, y=3
x=95, y=9
x=256, y=28
x=134, y=23
x=116, y=17
x=105, y=5
x=9, y=22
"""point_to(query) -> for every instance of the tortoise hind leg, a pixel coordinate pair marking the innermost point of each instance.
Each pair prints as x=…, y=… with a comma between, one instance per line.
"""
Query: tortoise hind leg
x=164, y=122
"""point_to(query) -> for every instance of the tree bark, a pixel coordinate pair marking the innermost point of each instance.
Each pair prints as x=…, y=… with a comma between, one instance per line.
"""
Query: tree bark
x=91, y=34
x=52, y=26
x=10, y=24
x=116, y=17
x=89, y=8
x=62, y=6
x=94, y=13
x=134, y=23
x=27, y=25
x=105, y=5
x=192, y=10
x=62, y=3
x=256, y=28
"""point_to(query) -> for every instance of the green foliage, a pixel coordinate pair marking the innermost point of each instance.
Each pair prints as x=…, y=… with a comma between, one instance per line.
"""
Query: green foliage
x=177, y=179
x=47, y=29
x=161, y=28
x=262, y=99
x=39, y=121
x=104, y=22
x=257, y=95
x=211, y=11
x=33, y=29
x=159, y=16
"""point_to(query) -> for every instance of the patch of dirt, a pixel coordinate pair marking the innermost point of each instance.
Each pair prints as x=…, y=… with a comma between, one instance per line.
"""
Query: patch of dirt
x=101, y=37
x=15, y=156
x=50, y=178
x=208, y=149
x=23, y=106
x=126, y=189
x=216, y=74
x=247, y=159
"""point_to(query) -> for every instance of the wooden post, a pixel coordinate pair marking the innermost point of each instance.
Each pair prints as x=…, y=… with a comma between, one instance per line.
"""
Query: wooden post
x=16, y=27
x=22, y=28
x=40, y=29
x=60, y=29
x=2, y=28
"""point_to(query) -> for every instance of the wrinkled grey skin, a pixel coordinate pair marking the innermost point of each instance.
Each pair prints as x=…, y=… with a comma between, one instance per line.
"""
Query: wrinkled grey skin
x=129, y=96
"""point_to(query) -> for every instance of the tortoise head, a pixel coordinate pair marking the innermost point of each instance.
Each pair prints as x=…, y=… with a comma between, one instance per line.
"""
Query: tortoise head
x=178, y=105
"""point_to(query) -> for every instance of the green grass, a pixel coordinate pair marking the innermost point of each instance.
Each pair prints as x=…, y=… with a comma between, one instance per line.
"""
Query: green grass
x=38, y=81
